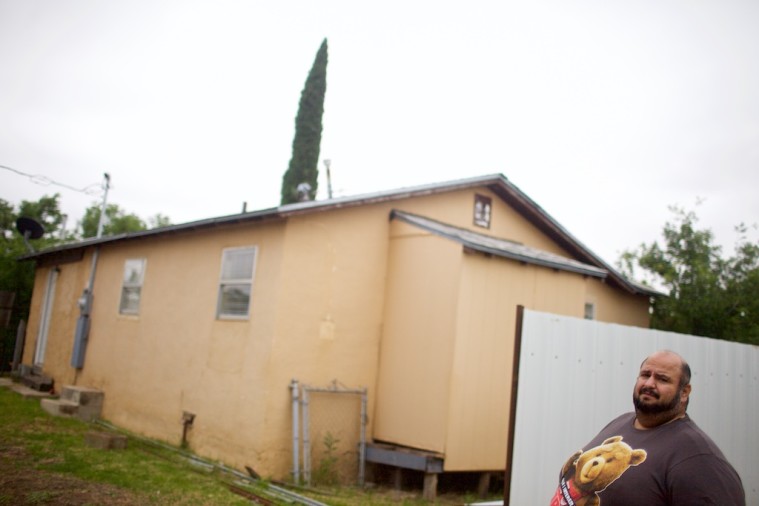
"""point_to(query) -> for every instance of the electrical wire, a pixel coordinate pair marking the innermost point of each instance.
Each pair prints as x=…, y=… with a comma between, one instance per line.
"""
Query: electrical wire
x=94, y=189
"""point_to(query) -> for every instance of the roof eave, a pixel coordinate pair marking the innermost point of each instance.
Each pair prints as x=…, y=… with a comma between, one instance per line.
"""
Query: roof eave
x=497, y=183
x=442, y=230
x=280, y=212
x=595, y=273
x=545, y=222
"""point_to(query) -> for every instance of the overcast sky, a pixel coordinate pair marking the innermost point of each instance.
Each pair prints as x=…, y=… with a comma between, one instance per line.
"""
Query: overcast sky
x=604, y=112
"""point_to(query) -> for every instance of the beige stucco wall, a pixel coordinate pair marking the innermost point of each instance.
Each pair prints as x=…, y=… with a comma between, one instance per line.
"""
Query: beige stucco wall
x=449, y=392
x=315, y=317
x=447, y=347
x=328, y=325
x=616, y=306
x=457, y=209
x=176, y=356
x=491, y=290
x=72, y=279
x=417, y=342
x=336, y=296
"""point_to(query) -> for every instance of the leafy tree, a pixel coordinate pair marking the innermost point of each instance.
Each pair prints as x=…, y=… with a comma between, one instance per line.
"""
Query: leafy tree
x=304, y=162
x=117, y=221
x=7, y=217
x=158, y=221
x=18, y=276
x=46, y=211
x=15, y=276
x=742, y=291
x=11, y=246
x=708, y=295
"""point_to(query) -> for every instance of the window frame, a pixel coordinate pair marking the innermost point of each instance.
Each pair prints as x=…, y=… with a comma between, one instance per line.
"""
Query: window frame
x=482, y=212
x=127, y=285
x=589, y=312
x=223, y=282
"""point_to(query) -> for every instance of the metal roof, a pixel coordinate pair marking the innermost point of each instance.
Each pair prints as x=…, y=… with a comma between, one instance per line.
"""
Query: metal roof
x=497, y=183
x=279, y=212
x=499, y=247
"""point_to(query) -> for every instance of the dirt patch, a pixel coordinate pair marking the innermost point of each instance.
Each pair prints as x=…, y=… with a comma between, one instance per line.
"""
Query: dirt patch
x=21, y=484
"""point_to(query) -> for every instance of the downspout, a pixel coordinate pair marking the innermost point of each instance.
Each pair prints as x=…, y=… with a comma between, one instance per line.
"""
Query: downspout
x=18, y=351
x=81, y=334
x=296, y=467
x=362, y=442
x=306, y=440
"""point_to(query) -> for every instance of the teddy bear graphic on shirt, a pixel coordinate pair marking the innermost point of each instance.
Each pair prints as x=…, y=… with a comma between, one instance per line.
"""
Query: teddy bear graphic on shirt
x=588, y=472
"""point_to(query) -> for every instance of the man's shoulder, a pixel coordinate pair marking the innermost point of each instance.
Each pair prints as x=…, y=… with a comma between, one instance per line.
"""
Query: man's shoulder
x=699, y=466
x=690, y=436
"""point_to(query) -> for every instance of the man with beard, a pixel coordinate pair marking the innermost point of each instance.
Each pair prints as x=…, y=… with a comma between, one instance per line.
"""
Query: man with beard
x=682, y=465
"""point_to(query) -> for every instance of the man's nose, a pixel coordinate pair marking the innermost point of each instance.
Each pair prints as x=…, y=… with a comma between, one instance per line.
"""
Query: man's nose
x=650, y=381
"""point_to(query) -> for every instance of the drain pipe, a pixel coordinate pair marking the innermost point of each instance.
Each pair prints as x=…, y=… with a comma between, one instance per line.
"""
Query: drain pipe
x=187, y=419
x=296, y=458
x=290, y=497
x=362, y=442
x=306, y=439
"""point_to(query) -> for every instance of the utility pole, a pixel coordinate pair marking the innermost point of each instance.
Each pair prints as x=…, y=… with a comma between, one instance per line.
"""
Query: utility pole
x=106, y=186
x=82, y=332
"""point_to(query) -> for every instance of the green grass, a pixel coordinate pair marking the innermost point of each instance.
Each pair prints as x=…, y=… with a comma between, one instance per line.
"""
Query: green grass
x=43, y=445
x=44, y=459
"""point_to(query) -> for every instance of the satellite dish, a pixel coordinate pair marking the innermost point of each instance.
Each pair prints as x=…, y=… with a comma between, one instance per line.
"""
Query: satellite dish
x=30, y=229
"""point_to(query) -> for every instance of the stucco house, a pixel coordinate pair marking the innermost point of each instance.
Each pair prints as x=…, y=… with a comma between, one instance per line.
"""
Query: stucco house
x=410, y=294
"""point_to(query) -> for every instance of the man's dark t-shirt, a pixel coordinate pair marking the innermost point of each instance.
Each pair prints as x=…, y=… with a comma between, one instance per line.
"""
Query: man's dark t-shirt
x=683, y=466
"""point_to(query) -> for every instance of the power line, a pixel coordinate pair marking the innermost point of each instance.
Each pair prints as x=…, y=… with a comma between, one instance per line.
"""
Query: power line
x=92, y=189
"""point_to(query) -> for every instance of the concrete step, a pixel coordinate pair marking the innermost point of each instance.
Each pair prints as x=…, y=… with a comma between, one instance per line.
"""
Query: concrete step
x=60, y=407
x=84, y=396
x=23, y=390
x=38, y=382
x=76, y=402
x=26, y=392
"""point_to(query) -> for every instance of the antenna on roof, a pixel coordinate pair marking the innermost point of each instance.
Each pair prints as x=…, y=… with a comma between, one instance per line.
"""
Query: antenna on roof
x=327, y=163
x=29, y=228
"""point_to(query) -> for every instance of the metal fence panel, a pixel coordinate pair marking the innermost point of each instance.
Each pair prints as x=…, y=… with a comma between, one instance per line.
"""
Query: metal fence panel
x=576, y=375
x=333, y=441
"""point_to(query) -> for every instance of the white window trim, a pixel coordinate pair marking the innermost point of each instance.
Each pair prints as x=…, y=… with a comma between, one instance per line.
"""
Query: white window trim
x=136, y=284
x=222, y=282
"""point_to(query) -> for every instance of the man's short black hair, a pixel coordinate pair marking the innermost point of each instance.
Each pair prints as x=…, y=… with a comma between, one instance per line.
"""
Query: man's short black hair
x=684, y=368
x=684, y=373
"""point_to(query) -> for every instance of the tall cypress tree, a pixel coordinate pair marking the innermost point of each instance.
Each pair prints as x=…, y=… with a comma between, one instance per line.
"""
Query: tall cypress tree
x=304, y=163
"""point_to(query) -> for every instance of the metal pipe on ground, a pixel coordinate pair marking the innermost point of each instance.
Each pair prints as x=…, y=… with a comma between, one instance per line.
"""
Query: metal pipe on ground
x=273, y=489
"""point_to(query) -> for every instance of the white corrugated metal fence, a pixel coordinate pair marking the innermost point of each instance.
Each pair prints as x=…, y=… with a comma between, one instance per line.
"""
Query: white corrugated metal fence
x=576, y=375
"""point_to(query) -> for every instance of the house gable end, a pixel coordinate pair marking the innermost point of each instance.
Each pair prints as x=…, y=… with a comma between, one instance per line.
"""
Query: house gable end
x=499, y=247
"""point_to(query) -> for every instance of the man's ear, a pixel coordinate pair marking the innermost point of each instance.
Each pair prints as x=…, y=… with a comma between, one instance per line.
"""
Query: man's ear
x=685, y=393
